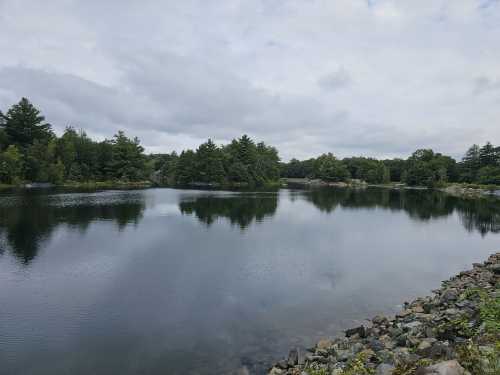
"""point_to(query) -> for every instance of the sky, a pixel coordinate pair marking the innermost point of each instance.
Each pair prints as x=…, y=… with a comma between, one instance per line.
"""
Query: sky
x=353, y=77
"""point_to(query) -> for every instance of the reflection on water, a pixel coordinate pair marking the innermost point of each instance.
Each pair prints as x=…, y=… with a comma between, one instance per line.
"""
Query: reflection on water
x=30, y=218
x=240, y=209
x=164, y=281
x=482, y=215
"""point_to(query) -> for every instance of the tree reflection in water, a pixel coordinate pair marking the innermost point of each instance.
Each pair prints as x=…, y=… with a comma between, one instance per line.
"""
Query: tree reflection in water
x=28, y=219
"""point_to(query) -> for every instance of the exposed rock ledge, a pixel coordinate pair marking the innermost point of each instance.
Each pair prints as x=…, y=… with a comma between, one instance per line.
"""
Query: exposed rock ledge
x=454, y=332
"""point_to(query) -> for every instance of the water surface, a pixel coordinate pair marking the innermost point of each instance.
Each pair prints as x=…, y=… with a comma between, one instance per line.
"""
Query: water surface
x=164, y=281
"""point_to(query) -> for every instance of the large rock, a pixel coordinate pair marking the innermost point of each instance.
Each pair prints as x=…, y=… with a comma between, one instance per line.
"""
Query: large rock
x=385, y=369
x=443, y=368
x=361, y=331
x=324, y=344
x=293, y=357
x=449, y=295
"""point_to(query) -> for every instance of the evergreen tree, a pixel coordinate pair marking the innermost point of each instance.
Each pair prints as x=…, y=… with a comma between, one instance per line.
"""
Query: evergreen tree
x=128, y=159
x=488, y=155
x=24, y=124
x=470, y=164
x=186, y=168
x=209, y=163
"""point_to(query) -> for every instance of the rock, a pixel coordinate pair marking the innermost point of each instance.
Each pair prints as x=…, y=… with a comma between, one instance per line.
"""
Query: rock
x=343, y=355
x=379, y=320
x=425, y=346
x=440, y=350
x=404, y=313
x=401, y=340
x=324, y=344
x=449, y=295
x=443, y=368
x=283, y=364
x=418, y=309
x=385, y=369
x=412, y=325
x=276, y=371
x=425, y=329
x=376, y=345
x=293, y=357
x=361, y=331
x=495, y=268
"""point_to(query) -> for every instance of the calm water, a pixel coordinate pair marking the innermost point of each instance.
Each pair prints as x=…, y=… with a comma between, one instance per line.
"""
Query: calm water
x=165, y=281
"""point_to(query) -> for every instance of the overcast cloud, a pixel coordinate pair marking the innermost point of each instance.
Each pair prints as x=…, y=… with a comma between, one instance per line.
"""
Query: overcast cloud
x=367, y=77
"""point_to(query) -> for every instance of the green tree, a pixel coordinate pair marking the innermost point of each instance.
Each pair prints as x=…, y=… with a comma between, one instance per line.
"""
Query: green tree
x=209, y=163
x=489, y=175
x=488, y=155
x=24, y=124
x=470, y=164
x=186, y=168
x=3, y=135
x=396, y=168
x=426, y=168
x=40, y=156
x=11, y=165
x=329, y=168
x=56, y=172
x=129, y=162
x=66, y=148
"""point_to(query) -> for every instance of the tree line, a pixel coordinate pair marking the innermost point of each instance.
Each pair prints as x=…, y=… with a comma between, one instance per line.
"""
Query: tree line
x=241, y=162
x=480, y=165
x=31, y=152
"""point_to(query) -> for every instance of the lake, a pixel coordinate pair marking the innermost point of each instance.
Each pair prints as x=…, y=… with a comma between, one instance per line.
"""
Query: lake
x=165, y=281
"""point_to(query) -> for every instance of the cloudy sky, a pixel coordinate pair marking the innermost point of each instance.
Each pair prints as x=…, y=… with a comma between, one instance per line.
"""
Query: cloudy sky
x=352, y=77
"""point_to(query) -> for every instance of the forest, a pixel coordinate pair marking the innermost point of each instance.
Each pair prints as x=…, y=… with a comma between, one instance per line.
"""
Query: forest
x=31, y=152
x=480, y=165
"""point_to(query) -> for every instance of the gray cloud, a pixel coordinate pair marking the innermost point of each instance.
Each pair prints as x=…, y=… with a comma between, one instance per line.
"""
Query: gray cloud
x=176, y=73
x=335, y=80
x=484, y=84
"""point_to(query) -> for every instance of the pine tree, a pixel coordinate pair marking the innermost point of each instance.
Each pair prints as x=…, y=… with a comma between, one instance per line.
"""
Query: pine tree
x=209, y=163
x=488, y=155
x=24, y=124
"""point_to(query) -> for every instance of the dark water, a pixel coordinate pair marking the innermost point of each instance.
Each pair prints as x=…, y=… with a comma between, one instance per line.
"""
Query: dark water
x=193, y=282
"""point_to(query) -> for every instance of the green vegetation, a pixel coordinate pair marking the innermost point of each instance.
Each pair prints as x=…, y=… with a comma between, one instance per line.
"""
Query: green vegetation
x=31, y=152
x=356, y=366
x=481, y=354
x=241, y=162
x=480, y=167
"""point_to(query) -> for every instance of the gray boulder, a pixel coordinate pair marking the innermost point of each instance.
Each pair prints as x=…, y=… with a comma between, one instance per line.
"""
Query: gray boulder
x=443, y=368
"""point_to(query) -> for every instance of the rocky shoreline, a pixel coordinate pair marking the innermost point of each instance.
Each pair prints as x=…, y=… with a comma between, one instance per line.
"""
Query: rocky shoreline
x=456, y=331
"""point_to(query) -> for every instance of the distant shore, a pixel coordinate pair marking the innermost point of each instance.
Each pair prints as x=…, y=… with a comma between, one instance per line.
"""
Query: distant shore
x=454, y=332
x=456, y=189
x=82, y=185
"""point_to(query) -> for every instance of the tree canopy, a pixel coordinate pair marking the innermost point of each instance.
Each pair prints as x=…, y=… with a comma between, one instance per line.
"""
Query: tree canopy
x=30, y=151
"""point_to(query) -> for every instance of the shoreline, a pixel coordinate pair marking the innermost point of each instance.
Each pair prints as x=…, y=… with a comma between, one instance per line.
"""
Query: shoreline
x=460, y=190
x=456, y=331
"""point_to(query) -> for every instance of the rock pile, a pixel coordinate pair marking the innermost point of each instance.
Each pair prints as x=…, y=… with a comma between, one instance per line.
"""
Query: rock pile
x=454, y=332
